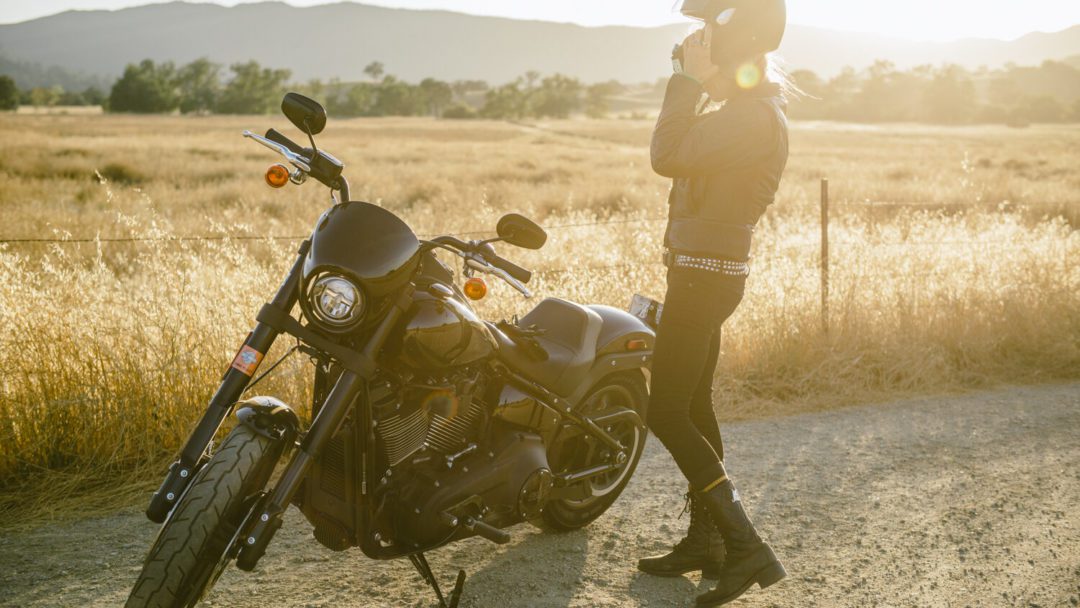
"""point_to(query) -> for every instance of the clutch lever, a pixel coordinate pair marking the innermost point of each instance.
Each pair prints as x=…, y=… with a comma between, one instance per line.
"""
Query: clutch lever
x=295, y=159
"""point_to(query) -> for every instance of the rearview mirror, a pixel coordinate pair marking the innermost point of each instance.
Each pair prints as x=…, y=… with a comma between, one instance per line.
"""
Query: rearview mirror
x=520, y=231
x=304, y=112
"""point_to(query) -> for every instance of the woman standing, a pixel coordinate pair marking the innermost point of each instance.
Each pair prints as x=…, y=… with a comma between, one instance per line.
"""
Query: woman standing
x=726, y=165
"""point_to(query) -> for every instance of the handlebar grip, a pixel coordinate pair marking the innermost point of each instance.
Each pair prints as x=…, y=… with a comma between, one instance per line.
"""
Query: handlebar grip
x=279, y=138
x=511, y=268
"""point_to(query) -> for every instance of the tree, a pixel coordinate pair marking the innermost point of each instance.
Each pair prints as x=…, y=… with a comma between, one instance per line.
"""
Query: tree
x=396, y=98
x=462, y=88
x=375, y=70
x=357, y=100
x=9, y=94
x=598, y=96
x=93, y=96
x=42, y=97
x=505, y=102
x=1044, y=109
x=557, y=97
x=145, y=88
x=199, y=85
x=437, y=95
x=253, y=89
x=950, y=96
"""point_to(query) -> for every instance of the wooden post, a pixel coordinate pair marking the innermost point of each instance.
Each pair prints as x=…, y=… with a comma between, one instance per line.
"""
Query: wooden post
x=825, y=255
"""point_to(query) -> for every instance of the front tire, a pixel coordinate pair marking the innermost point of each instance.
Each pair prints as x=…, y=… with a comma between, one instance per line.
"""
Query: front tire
x=610, y=394
x=190, y=550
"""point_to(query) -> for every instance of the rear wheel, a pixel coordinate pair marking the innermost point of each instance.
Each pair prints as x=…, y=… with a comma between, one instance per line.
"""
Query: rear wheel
x=190, y=551
x=610, y=395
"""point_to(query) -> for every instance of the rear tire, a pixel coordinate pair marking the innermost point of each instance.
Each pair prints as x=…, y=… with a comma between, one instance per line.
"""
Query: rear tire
x=189, y=552
x=616, y=391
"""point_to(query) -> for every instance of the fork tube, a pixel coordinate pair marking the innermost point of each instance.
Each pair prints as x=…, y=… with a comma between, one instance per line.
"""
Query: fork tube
x=232, y=386
x=326, y=423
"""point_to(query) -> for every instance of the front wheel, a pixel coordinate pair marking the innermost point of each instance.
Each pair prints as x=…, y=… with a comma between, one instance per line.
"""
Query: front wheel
x=612, y=394
x=190, y=551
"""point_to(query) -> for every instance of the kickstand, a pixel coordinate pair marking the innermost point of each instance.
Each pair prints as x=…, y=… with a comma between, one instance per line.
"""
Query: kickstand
x=421, y=564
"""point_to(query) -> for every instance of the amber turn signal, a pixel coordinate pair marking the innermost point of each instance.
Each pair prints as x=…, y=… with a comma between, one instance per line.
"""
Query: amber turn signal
x=277, y=176
x=637, y=344
x=475, y=288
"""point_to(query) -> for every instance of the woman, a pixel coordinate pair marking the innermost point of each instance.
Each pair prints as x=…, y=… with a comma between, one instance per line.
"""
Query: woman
x=726, y=165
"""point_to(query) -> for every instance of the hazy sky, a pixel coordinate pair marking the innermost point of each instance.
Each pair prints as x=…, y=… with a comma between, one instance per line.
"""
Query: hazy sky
x=921, y=19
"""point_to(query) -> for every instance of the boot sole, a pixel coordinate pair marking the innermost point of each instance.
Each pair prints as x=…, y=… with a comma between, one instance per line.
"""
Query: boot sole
x=708, y=572
x=766, y=577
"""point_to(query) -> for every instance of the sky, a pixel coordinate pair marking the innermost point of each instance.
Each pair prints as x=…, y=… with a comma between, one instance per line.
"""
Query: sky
x=914, y=19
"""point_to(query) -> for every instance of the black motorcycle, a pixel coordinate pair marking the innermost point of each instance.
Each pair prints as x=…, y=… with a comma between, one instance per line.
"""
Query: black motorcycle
x=429, y=425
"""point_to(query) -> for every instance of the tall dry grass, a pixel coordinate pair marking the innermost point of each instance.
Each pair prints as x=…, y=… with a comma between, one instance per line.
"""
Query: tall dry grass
x=953, y=266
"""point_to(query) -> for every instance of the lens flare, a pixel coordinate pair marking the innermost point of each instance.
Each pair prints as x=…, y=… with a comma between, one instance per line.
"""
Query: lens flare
x=748, y=76
x=444, y=403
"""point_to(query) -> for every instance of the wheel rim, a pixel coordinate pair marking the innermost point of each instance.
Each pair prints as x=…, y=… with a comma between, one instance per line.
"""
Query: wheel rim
x=584, y=452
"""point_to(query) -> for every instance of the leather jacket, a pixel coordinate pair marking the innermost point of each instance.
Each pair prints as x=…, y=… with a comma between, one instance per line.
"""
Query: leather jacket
x=726, y=166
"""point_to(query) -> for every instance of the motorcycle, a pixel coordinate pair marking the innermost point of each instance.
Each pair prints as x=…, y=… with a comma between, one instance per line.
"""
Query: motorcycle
x=429, y=425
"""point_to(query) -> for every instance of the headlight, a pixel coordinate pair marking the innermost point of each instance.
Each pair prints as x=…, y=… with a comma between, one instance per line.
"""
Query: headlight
x=336, y=301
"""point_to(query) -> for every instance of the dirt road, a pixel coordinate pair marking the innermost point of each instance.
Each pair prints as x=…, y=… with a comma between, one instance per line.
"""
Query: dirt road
x=969, y=500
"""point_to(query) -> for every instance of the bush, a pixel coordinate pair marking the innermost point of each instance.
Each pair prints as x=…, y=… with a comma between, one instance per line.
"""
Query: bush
x=459, y=112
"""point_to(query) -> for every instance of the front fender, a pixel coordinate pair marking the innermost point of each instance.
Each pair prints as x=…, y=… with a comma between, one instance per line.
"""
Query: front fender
x=269, y=417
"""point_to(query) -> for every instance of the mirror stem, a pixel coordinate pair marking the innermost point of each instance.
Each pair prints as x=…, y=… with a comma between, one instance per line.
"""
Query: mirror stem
x=311, y=138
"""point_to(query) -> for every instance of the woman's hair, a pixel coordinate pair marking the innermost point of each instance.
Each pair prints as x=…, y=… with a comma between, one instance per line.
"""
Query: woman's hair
x=774, y=69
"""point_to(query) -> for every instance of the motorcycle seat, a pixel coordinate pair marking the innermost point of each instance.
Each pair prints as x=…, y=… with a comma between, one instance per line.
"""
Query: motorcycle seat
x=567, y=332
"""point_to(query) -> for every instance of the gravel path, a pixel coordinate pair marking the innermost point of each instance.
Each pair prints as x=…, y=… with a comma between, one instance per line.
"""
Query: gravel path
x=969, y=500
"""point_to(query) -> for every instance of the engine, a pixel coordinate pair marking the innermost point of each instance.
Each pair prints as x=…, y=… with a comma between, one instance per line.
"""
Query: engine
x=424, y=420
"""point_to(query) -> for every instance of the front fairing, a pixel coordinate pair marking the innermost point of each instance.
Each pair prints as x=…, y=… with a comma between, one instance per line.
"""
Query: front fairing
x=366, y=243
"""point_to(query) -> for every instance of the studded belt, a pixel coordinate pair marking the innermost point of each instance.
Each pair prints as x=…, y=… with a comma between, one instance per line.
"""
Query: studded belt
x=720, y=266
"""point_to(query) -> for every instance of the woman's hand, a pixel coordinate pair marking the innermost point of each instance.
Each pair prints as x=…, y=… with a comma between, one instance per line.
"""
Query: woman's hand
x=697, y=56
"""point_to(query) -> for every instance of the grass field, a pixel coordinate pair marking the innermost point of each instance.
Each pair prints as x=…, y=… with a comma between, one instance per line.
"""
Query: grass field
x=953, y=262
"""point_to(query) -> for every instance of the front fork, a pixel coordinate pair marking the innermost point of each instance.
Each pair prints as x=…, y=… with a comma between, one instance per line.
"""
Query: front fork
x=232, y=386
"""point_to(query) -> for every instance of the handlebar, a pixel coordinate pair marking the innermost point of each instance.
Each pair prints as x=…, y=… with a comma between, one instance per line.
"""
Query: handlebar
x=510, y=268
x=482, y=258
x=278, y=137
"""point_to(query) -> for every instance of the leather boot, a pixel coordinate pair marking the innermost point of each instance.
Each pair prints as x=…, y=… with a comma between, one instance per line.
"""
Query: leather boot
x=749, y=560
x=702, y=549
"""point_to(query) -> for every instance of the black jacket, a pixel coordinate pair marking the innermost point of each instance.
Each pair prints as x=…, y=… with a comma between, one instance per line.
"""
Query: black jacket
x=726, y=165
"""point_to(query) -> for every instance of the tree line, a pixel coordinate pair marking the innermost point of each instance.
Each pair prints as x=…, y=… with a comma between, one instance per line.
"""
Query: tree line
x=947, y=94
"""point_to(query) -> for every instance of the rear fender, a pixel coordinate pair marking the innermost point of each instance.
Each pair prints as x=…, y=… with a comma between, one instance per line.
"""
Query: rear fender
x=269, y=417
x=612, y=364
x=621, y=330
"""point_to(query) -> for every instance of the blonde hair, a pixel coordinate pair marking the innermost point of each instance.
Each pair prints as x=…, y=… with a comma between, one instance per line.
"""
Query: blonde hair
x=776, y=73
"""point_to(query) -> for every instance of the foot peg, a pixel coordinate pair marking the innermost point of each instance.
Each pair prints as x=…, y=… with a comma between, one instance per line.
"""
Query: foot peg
x=495, y=535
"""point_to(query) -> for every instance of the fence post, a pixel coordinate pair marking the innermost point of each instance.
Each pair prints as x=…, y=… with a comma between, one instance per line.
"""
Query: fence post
x=825, y=255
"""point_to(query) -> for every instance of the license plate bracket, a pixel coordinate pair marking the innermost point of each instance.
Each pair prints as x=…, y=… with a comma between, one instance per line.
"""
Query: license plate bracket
x=647, y=309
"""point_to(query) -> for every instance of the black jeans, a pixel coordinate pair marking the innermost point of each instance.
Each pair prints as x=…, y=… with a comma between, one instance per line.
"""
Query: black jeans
x=687, y=348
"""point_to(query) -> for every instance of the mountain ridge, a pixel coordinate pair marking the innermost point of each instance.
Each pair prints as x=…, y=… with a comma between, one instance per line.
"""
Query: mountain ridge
x=338, y=40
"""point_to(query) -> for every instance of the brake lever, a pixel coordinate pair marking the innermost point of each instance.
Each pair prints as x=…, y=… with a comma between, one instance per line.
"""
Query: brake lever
x=295, y=159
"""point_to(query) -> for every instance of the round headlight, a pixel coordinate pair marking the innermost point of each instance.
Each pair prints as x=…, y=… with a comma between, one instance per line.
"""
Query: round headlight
x=336, y=301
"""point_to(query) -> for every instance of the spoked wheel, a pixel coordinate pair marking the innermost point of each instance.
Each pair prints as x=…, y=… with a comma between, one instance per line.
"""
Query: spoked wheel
x=611, y=395
x=190, y=551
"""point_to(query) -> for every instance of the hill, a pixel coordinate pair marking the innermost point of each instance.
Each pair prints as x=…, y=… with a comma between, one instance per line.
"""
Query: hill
x=338, y=40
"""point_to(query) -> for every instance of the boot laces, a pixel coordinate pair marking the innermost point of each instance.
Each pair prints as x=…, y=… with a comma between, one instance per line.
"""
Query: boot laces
x=699, y=531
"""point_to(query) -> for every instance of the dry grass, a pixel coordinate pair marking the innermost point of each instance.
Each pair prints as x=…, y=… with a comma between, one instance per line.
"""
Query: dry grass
x=954, y=265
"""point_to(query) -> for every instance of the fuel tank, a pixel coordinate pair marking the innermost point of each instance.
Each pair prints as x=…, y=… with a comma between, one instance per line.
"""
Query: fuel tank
x=441, y=332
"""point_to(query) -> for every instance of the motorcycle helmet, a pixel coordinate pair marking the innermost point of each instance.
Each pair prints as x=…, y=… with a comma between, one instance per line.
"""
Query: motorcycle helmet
x=747, y=27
